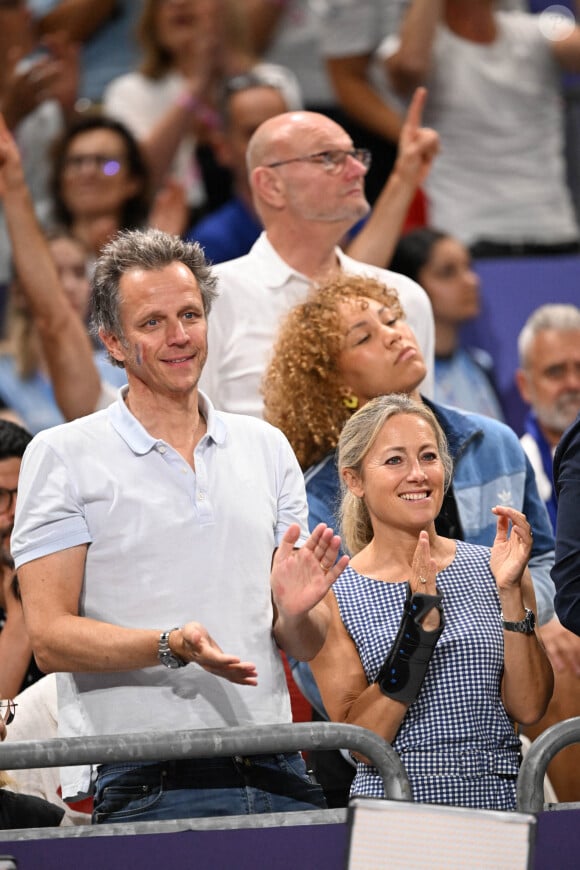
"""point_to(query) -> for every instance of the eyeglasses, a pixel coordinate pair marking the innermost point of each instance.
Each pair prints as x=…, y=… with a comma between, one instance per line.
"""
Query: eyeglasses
x=331, y=161
x=6, y=498
x=103, y=162
x=8, y=710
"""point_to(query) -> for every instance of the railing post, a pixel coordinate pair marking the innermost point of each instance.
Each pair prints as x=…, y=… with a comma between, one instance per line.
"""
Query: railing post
x=530, y=786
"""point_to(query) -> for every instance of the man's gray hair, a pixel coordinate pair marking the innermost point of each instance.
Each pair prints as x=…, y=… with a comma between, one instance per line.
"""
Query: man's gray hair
x=142, y=249
x=559, y=316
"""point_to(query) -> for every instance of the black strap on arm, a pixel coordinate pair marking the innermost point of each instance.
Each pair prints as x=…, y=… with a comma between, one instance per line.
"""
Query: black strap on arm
x=405, y=667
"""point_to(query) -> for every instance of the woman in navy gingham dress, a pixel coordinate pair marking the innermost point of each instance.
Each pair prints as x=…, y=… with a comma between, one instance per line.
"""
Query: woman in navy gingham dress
x=455, y=737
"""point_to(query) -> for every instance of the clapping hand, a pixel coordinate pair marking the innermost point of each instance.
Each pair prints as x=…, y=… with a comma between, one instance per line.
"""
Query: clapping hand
x=201, y=649
x=301, y=578
x=424, y=579
x=511, y=548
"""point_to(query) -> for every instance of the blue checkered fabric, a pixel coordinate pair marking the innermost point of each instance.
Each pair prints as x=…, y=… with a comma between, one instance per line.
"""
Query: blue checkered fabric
x=456, y=741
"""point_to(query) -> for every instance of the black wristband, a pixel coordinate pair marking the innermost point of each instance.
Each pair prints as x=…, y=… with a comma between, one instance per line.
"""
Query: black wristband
x=405, y=667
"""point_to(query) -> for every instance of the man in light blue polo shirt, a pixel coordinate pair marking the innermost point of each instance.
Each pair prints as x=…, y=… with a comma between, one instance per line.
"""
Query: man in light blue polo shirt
x=144, y=537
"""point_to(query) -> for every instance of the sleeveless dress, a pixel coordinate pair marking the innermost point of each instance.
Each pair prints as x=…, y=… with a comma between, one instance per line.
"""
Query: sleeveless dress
x=456, y=742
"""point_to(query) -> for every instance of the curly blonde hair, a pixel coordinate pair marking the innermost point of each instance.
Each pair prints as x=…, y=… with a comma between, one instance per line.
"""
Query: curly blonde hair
x=304, y=394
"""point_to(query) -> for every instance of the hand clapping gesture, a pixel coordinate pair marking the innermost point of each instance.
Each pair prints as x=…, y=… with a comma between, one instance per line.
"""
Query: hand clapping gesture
x=424, y=579
x=301, y=578
x=201, y=649
x=511, y=548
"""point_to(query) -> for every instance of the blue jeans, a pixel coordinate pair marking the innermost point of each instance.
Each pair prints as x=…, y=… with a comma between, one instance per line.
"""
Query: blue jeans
x=198, y=787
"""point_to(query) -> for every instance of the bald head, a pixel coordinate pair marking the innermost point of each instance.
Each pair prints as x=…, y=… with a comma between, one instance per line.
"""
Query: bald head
x=289, y=134
x=291, y=183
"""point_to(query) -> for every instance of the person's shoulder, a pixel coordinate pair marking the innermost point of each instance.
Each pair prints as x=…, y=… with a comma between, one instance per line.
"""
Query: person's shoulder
x=386, y=276
x=236, y=267
x=128, y=82
x=467, y=551
x=465, y=425
x=525, y=27
x=249, y=426
x=66, y=435
x=324, y=471
x=225, y=234
x=491, y=427
x=569, y=444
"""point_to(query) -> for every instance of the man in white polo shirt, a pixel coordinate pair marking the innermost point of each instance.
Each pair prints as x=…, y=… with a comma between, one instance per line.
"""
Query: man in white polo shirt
x=144, y=537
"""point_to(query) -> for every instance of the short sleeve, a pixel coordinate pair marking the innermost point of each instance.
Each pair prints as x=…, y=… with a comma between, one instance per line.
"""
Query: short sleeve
x=49, y=517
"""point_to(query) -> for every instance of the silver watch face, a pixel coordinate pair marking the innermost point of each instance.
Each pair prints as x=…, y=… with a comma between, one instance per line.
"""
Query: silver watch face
x=169, y=660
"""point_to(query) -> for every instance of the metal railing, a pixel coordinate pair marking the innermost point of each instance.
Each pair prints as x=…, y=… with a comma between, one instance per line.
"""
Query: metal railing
x=246, y=740
x=530, y=787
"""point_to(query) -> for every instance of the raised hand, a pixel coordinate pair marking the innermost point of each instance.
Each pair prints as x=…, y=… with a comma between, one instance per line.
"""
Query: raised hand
x=11, y=172
x=201, y=649
x=301, y=578
x=418, y=146
x=424, y=578
x=511, y=548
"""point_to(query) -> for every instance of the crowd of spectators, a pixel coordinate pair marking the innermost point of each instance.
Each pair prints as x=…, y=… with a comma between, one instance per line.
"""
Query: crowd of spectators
x=370, y=150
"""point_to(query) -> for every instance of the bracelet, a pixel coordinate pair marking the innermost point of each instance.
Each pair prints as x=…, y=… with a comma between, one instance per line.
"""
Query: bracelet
x=198, y=108
x=405, y=667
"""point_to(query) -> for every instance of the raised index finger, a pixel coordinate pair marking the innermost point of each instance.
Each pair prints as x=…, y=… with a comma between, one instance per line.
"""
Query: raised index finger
x=414, y=116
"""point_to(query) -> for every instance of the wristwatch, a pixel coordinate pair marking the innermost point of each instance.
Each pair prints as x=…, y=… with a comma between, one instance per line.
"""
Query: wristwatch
x=164, y=654
x=524, y=626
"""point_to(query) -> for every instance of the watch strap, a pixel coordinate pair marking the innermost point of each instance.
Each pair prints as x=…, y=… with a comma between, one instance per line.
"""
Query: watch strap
x=164, y=653
x=523, y=626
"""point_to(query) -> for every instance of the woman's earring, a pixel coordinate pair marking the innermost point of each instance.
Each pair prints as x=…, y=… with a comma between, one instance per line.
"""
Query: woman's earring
x=350, y=402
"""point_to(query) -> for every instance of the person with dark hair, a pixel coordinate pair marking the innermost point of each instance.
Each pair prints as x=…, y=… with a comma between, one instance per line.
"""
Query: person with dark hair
x=435, y=637
x=100, y=181
x=443, y=266
x=248, y=100
x=566, y=570
x=103, y=503
x=18, y=668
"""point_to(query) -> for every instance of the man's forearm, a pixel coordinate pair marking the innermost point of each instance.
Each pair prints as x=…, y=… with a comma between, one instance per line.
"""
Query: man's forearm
x=357, y=97
x=376, y=241
x=409, y=65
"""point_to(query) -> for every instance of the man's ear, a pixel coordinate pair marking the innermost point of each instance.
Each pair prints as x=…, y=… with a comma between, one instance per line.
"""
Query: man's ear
x=268, y=187
x=521, y=380
x=113, y=345
x=353, y=482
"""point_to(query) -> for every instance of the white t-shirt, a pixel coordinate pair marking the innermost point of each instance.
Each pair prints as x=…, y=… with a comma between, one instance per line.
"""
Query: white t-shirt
x=37, y=719
x=255, y=292
x=140, y=102
x=500, y=174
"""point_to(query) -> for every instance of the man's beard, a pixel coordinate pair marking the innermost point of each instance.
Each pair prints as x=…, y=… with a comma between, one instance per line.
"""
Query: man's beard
x=561, y=414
